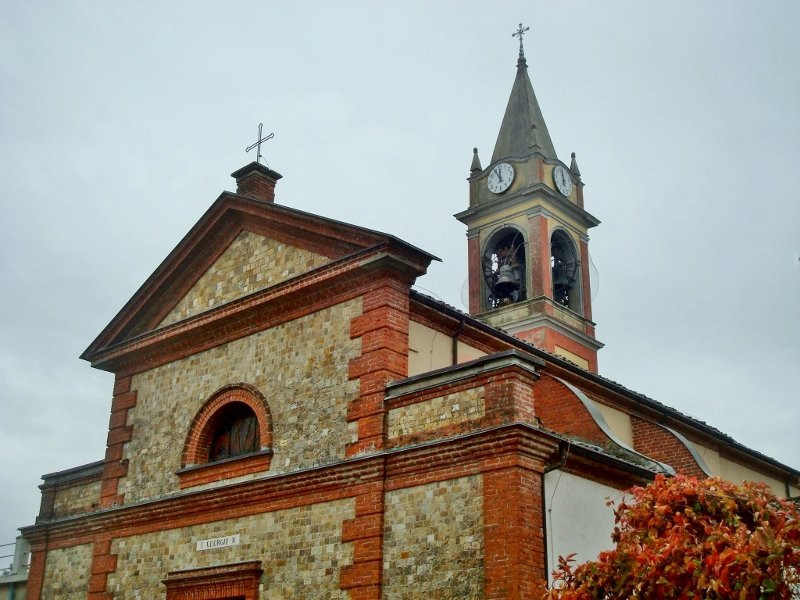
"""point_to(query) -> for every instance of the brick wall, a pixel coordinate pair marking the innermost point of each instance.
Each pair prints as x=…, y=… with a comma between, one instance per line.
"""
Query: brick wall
x=251, y=263
x=657, y=442
x=560, y=410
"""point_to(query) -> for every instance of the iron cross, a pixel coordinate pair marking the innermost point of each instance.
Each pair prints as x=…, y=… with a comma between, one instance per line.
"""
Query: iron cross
x=258, y=143
x=519, y=33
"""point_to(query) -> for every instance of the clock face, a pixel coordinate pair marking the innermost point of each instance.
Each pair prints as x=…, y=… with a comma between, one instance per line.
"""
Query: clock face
x=500, y=178
x=563, y=180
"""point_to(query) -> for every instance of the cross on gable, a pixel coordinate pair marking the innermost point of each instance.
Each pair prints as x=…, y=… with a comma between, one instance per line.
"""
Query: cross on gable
x=258, y=143
x=519, y=33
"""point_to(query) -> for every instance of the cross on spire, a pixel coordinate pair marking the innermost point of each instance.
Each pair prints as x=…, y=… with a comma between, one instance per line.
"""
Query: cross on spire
x=258, y=143
x=519, y=33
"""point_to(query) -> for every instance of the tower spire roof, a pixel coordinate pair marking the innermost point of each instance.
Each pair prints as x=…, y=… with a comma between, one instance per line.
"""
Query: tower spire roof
x=523, y=130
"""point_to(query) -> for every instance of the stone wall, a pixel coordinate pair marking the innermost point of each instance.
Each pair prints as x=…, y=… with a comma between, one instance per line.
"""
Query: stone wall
x=66, y=573
x=433, y=541
x=436, y=413
x=251, y=263
x=300, y=550
x=301, y=367
x=76, y=499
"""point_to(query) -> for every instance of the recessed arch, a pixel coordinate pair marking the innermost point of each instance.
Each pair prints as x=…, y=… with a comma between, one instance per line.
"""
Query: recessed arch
x=227, y=407
x=565, y=269
x=504, y=268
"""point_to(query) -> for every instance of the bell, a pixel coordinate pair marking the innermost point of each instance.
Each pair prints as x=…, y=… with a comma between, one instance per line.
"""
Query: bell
x=507, y=282
x=561, y=277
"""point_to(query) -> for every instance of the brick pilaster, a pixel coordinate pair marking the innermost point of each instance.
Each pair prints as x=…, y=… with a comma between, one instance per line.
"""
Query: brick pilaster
x=514, y=545
x=383, y=329
x=36, y=571
x=364, y=577
x=119, y=433
x=541, y=284
x=103, y=563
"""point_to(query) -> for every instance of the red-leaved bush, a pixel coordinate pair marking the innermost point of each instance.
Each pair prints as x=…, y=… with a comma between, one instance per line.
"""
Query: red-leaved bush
x=682, y=537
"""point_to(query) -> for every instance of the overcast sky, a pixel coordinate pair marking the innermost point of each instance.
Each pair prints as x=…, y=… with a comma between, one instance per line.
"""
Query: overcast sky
x=120, y=123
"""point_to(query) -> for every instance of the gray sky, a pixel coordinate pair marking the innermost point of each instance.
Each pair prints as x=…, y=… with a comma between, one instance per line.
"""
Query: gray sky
x=121, y=122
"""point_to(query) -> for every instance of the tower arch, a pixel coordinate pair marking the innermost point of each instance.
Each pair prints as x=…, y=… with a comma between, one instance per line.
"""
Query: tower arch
x=565, y=271
x=504, y=266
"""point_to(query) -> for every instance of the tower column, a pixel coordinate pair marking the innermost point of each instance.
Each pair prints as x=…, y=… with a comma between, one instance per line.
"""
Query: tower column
x=475, y=273
x=586, y=285
x=541, y=284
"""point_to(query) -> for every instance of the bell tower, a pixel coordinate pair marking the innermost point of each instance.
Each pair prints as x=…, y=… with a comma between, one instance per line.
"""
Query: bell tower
x=527, y=233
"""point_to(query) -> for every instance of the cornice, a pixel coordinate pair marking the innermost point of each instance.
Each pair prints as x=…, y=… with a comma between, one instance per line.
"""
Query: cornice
x=208, y=238
x=508, y=359
x=329, y=284
x=524, y=196
x=311, y=485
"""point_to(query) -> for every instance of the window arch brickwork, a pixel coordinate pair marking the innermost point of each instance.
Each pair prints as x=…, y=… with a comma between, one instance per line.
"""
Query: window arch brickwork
x=195, y=466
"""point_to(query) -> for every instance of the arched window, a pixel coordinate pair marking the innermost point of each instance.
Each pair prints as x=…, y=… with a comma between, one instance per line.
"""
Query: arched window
x=504, y=268
x=231, y=435
x=566, y=271
x=235, y=434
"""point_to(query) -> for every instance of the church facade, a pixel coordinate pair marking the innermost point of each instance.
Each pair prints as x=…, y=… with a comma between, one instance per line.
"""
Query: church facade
x=290, y=419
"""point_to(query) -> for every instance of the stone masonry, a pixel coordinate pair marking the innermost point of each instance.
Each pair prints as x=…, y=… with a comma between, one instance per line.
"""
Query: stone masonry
x=300, y=550
x=433, y=541
x=301, y=367
x=76, y=499
x=251, y=263
x=436, y=412
x=67, y=572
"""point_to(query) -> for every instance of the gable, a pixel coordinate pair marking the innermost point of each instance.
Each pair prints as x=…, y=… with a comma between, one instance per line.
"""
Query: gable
x=251, y=263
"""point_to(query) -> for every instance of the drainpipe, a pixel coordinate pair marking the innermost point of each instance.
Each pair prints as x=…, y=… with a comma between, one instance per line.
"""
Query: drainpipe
x=455, y=340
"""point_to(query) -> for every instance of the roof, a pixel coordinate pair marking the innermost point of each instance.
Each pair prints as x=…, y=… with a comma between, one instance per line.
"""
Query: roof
x=228, y=215
x=523, y=130
x=646, y=401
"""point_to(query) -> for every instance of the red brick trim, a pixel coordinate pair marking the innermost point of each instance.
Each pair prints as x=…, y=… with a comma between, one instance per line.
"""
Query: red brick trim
x=119, y=433
x=226, y=469
x=383, y=329
x=197, y=446
x=198, y=441
x=515, y=449
x=35, y=582
x=216, y=228
x=507, y=395
x=103, y=563
x=513, y=534
x=363, y=578
x=238, y=581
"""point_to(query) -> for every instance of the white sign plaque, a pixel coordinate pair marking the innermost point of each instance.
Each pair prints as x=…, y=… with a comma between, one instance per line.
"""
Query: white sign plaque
x=223, y=542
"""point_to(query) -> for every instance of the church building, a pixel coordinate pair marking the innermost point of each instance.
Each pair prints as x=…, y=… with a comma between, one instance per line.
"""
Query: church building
x=291, y=419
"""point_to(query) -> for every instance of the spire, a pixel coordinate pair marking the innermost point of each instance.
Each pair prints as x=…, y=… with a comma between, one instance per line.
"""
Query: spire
x=523, y=130
x=476, y=162
x=573, y=166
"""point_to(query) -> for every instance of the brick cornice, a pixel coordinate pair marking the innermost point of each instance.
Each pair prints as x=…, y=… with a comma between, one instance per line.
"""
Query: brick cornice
x=226, y=218
x=330, y=284
x=515, y=444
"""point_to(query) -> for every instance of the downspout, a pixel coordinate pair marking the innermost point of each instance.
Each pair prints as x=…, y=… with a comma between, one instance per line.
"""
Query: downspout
x=563, y=450
x=455, y=340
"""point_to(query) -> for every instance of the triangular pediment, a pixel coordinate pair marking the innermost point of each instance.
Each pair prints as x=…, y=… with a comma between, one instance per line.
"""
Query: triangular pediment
x=239, y=248
x=251, y=263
